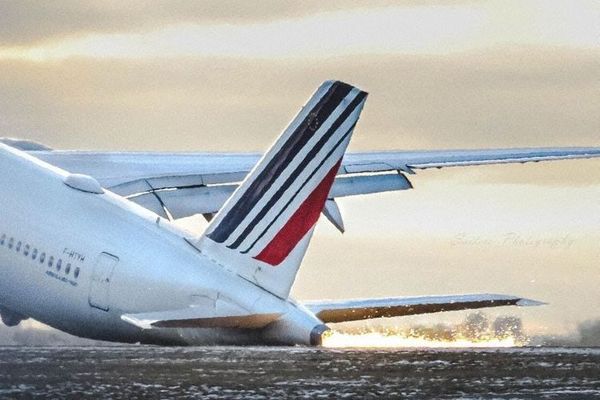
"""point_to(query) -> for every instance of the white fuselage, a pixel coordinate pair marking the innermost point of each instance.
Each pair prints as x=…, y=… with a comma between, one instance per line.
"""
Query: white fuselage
x=78, y=261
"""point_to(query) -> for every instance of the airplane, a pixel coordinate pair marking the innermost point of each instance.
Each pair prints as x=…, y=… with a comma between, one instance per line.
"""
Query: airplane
x=89, y=242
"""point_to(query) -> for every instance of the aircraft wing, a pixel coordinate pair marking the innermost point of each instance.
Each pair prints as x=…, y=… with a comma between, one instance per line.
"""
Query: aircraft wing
x=127, y=173
x=408, y=161
x=178, y=185
x=359, y=309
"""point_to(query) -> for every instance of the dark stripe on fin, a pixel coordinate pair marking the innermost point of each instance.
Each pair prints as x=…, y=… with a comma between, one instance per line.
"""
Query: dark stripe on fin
x=300, y=189
x=278, y=163
x=292, y=178
x=301, y=222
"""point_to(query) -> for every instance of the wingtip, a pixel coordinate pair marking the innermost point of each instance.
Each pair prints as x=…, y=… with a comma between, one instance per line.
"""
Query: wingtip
x=530, y=303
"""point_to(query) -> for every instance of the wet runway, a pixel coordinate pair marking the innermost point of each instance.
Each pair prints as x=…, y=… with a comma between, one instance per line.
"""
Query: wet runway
x=141, y=372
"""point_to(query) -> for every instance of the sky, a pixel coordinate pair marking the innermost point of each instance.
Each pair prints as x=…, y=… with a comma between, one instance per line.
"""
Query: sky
x=228, y=75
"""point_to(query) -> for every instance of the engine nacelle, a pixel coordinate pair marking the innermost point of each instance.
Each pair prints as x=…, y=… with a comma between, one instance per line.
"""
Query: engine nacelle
x=10, y=318
x=298, y=326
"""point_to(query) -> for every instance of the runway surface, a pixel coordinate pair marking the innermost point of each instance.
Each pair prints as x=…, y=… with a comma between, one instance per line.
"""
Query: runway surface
x=141, y=372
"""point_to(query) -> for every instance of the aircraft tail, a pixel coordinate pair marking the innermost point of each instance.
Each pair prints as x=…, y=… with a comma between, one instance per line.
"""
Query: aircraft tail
x=262, y=232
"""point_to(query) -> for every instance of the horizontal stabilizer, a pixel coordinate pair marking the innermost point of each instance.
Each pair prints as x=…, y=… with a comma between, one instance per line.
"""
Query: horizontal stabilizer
x=194, y=317
x=359, y=309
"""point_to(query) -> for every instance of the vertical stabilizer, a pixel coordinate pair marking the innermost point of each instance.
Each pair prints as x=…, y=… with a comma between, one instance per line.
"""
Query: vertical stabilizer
x=262, y=232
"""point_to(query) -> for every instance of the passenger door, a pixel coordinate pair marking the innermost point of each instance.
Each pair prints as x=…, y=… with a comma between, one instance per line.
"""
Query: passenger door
x=100, y=287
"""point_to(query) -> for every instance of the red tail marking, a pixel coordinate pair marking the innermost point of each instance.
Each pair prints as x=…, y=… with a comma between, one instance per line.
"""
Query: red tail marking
x=300, y=223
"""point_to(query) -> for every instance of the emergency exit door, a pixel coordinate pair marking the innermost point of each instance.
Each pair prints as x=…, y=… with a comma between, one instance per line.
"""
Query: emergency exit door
x=101, y=277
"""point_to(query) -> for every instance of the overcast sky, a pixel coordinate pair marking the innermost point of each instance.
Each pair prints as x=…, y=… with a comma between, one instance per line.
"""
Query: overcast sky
x=224, y=75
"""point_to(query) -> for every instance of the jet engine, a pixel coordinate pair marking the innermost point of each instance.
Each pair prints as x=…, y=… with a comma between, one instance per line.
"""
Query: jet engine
x=10, y=318
x=298, y=326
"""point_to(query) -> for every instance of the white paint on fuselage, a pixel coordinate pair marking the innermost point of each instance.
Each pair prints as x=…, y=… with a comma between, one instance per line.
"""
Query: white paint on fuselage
x=157, y=269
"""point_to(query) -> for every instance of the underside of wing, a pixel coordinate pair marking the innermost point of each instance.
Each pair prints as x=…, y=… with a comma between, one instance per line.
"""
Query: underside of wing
x=360, y=309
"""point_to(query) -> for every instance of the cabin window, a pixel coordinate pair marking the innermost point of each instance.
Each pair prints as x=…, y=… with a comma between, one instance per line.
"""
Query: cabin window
x=26, y=250
x=59, y=264
x=34, y=254
x=18, y=248
x=42, y=258
x=68, y=268
x=11, y=243
x=50, y=261
x=76, y=273
x=2, y=240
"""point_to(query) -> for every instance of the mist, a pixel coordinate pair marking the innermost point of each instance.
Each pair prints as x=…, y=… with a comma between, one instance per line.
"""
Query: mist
x=476, y=326
x=30, y=333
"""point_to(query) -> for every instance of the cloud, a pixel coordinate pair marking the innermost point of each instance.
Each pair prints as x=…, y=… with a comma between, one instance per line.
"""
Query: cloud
x=378, y=30
x=510, y=98
x=284, y=30
x=29, y=21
